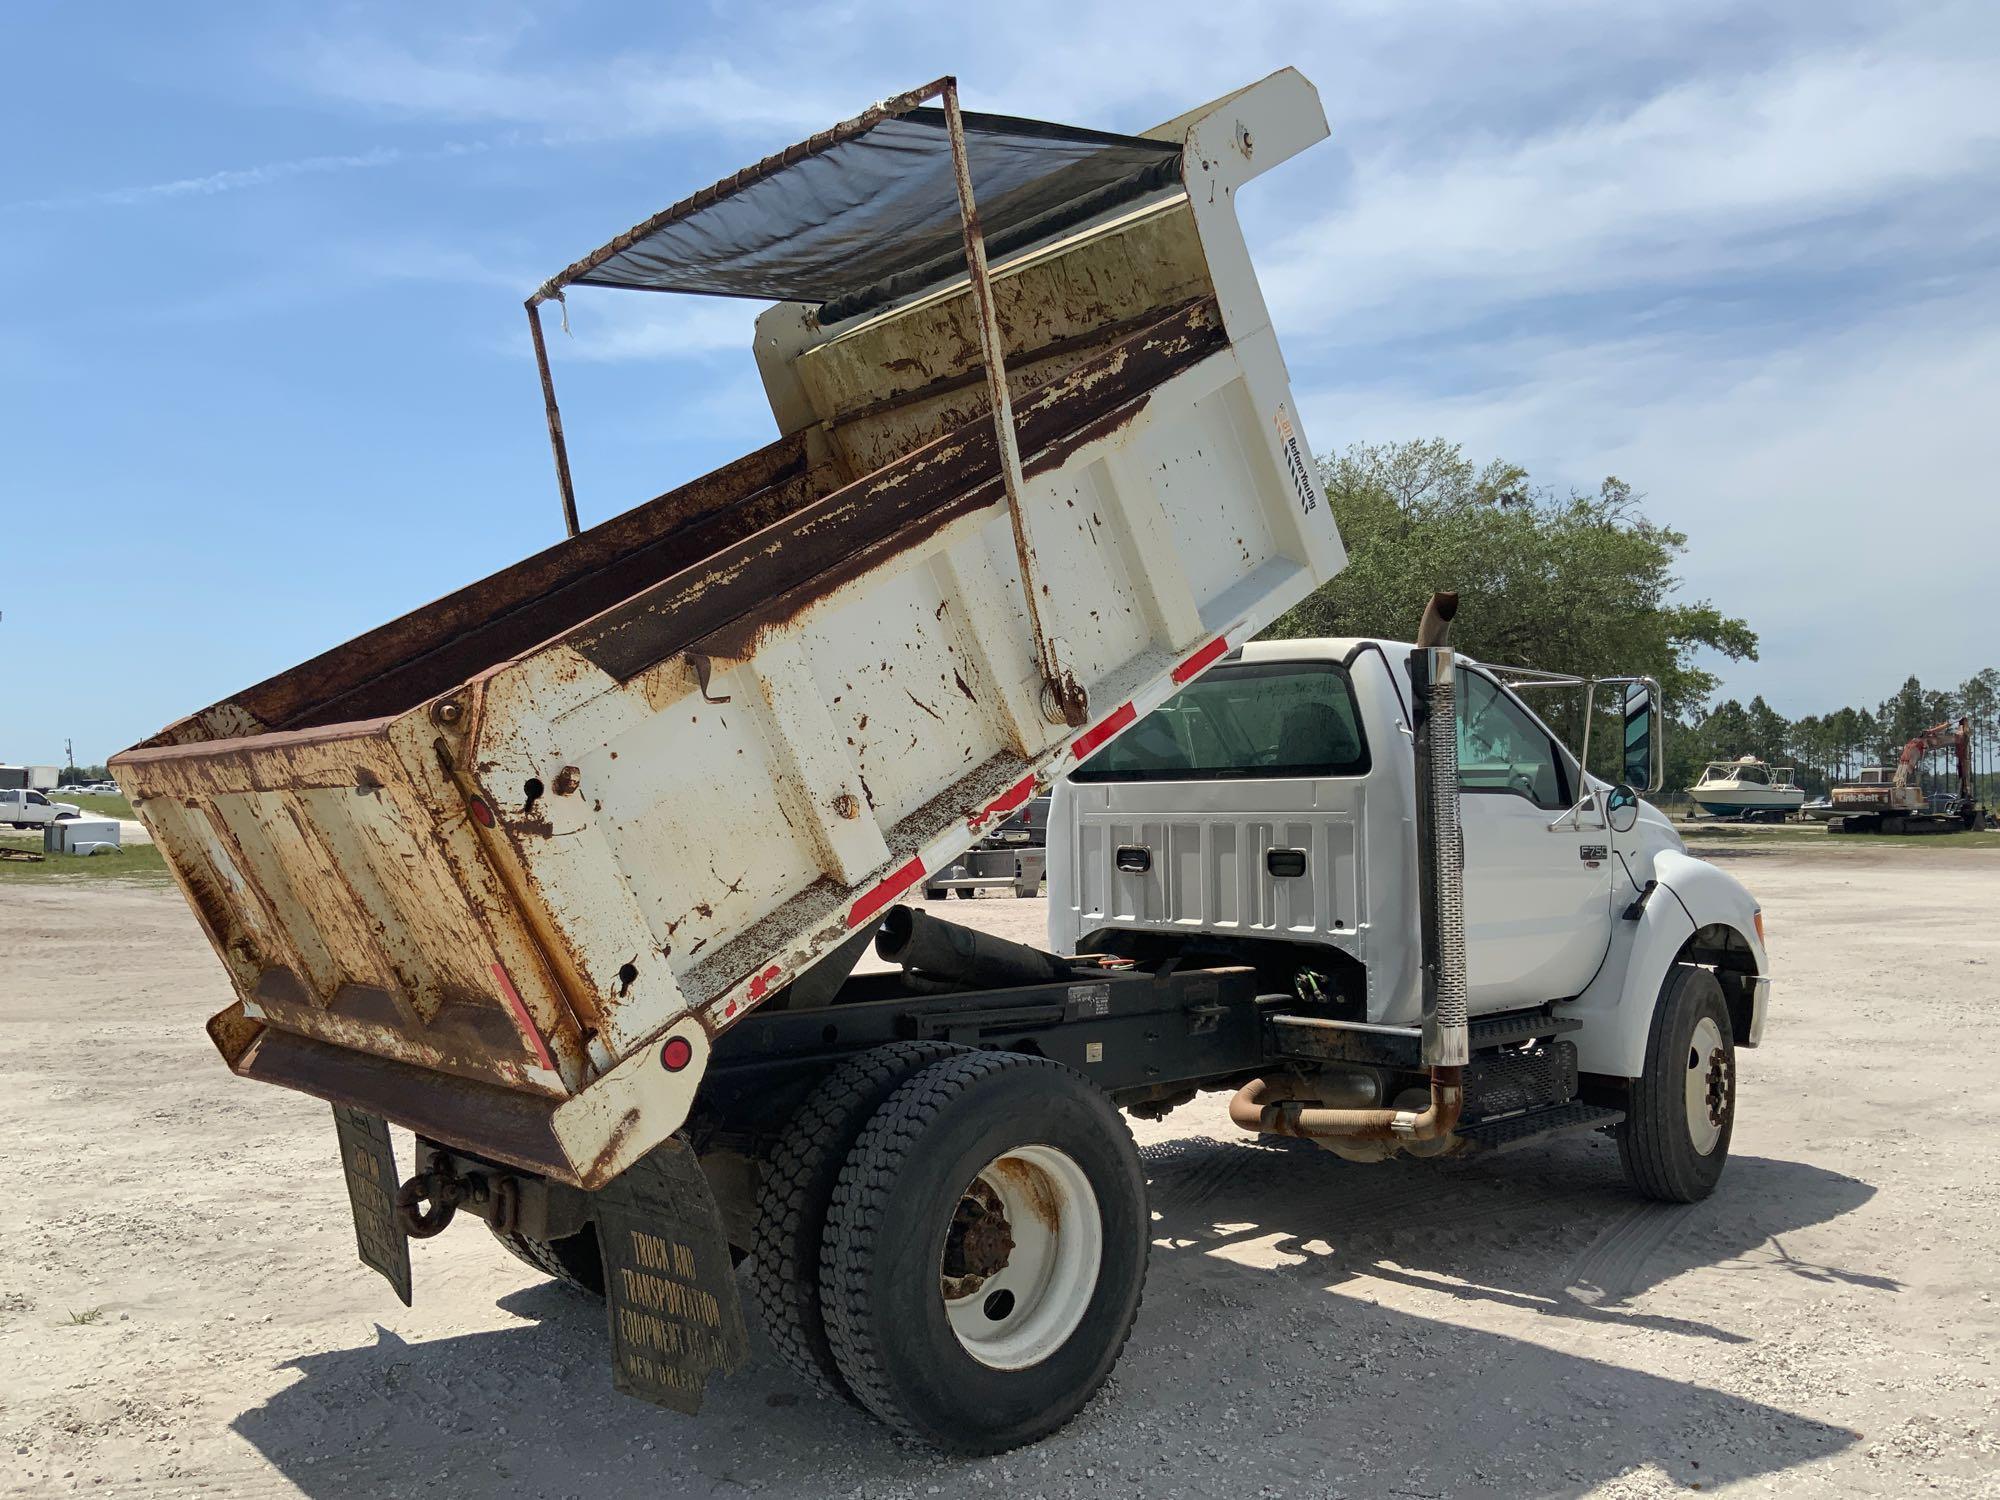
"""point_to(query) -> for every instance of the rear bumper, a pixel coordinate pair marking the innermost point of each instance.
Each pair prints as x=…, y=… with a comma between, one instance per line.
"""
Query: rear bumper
x=503, y=1124
x=583, y=1141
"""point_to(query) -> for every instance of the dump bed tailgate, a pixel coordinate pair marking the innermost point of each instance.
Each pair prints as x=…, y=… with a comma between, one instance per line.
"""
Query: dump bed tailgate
x=342, y=881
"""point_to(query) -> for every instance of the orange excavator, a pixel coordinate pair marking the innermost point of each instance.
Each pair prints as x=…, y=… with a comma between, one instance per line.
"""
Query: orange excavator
x=1885, y=801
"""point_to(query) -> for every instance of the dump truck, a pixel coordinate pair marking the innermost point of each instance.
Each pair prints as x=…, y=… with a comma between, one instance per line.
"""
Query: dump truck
x=569, y=874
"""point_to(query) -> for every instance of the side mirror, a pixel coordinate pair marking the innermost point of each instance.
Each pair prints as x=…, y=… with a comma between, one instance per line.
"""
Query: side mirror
x=1643, y=737
x=1621, y=809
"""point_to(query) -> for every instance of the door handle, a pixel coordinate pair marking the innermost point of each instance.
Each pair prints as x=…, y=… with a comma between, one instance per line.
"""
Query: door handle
x=1286, y=864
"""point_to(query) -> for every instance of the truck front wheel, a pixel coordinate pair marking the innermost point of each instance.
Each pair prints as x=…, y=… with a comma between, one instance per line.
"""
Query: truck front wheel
x=1675, y=1138
x=985, y=1252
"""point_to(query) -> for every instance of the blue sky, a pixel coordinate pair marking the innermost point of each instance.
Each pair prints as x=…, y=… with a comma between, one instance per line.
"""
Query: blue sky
x=265, y=379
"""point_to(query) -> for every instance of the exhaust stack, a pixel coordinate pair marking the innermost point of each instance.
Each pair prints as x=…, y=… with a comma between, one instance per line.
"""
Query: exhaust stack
x=1262, y=1105
x=1440, y=840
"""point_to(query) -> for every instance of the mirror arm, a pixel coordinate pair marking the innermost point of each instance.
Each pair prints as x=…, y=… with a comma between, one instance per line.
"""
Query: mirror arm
x=1592, y=798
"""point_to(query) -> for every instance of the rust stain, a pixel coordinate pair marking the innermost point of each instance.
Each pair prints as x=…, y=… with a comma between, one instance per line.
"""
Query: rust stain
x=598, y=1171
x=923, y=705
x=1033, y=1187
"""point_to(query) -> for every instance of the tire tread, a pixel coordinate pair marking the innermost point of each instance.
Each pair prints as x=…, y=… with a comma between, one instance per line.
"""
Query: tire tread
x=570, y=1269
x=858, y=1219
x=798, y=1183
x=1652, y=1144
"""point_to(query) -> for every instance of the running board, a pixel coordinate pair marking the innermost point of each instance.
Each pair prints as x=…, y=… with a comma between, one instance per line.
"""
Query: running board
x=1536, y=1125
x=1402, y=1046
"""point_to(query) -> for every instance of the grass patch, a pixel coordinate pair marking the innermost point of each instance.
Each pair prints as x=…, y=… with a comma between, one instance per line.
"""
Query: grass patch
x=1718, y=834
x=85, y=1318
x=135, y=862
x=103, y=806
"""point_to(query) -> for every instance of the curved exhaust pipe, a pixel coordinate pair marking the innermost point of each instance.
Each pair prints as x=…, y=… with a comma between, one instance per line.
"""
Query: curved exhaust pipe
x=1287, y=1107
x=1276, y=1108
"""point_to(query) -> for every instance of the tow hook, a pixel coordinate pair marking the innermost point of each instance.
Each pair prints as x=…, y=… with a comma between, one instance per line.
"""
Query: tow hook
x=496, y=1199
x=442, y=1191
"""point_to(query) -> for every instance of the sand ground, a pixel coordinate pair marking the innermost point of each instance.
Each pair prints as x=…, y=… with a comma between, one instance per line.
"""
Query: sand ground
x=181, y=1311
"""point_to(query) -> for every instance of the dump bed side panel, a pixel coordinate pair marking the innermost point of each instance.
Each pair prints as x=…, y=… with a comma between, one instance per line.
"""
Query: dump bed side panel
x=878, y=703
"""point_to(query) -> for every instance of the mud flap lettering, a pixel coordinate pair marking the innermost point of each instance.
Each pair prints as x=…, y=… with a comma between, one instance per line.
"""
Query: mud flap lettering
x=668, y=1282
x=369, y=1160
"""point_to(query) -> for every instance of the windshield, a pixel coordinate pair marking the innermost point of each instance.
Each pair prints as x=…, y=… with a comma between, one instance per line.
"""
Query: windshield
x=1254, y=719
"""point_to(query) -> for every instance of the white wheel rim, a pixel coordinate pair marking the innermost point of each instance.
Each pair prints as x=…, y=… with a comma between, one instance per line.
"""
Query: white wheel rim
x=1026, y=1290
x=1707, y=1085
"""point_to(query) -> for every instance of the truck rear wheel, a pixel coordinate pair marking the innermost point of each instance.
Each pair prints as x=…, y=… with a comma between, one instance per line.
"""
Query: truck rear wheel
x=985, y=1252
x=1682, y=1110
x=574, y=1259
x=797, y=1186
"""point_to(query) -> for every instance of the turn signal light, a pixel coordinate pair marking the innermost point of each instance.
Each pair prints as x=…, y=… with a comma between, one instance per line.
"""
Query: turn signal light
x=1759, y=919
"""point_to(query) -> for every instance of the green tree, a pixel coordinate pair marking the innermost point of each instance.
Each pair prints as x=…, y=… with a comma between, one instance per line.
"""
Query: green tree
x=1979, y=697
x=1904, y=717
x=1768, y=730
x=1581, y=583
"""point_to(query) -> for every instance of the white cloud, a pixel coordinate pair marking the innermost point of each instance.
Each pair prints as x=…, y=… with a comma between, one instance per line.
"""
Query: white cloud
x=237, y=179
x=612, y=327
x=628, y=95
x=1710, y=176
x=1835, y=491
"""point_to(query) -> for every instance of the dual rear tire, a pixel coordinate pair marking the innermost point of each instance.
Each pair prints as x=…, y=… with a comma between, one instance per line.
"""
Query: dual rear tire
x=981, y=1248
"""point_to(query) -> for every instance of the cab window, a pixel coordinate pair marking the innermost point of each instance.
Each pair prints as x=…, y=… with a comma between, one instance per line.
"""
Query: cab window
x=36, y=799
x=1252, y=719
x=1502, y=749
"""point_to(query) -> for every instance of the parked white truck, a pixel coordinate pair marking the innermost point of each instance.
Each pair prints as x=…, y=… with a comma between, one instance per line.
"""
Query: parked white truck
x=1263, y=817
x=568, y=873
x=24, y=808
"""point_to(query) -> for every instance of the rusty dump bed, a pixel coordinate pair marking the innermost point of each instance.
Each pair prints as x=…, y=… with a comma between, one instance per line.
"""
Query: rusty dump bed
x=475, y=869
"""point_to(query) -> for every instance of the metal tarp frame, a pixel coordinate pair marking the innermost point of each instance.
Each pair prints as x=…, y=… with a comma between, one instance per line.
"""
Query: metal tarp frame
x=1145, y=166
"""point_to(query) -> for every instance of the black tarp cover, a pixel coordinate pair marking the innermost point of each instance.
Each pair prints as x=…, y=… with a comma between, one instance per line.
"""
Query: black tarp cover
x=874, y=218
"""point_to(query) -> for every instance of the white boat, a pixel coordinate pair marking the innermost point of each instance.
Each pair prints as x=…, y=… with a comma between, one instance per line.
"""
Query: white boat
x=1747, y=788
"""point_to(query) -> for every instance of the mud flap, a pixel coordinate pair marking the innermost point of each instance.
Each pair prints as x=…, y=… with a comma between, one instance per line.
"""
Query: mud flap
x=369, y=1160
x=669, y=1286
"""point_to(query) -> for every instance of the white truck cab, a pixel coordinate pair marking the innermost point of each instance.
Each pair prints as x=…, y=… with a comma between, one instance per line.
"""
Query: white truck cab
x=26, y=808
x=1266, y=814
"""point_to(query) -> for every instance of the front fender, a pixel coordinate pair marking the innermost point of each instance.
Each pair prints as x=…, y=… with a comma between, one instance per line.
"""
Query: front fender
x=1616, y=1008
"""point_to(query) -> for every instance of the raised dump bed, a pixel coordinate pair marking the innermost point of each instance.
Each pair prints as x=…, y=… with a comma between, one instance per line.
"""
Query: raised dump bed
x=501, y=869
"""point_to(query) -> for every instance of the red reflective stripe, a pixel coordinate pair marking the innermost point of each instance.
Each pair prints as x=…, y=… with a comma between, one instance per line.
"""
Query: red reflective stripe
x=1103, y=730
x=760, y=984
x=1192, y=668
x=1006, y=802
x=887, y=891
x=521, y=1017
